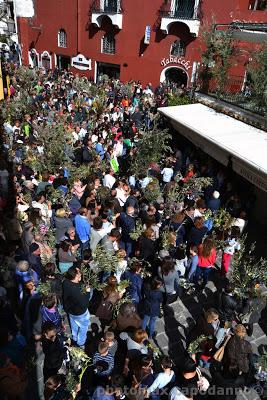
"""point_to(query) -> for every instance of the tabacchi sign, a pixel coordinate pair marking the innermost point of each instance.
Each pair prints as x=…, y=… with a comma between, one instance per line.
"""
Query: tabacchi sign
x=176, y=60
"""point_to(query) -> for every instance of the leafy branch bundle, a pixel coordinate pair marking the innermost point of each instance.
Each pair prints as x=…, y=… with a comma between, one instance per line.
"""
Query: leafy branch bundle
x=247, y=270
x=222, y=220
x=151, y=147
x=138, y=231
x=104, y=260
x=195, y=346
x=124, y=300
x=152, y=192
x=262, y=362
x=44, y=288
x=79, y=364
x=90, y=279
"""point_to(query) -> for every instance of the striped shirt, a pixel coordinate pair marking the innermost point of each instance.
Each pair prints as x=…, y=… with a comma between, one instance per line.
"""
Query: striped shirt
x=108, y=359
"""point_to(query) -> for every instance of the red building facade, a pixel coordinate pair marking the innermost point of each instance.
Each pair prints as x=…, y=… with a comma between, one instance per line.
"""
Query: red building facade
x=146, y=40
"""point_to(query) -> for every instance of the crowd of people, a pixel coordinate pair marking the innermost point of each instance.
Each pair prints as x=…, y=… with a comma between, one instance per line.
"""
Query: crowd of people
x=90, y=263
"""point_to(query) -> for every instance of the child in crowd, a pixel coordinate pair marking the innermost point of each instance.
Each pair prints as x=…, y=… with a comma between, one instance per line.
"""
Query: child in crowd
x=122, y=264
x=192, y=263
x=163, y=378
x=50, y=313
x=232, y=245
x=103, y=360
x=109, y=339
x=181, y=261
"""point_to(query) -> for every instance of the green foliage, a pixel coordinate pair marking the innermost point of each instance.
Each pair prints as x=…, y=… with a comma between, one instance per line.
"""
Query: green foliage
x=90, y=279
x=217, y=58
x=222, y=220
x=44, y=288
x=176, y=100
x=138, y=231
x=151, y=148
x=247, y=270
x=124, y=300
x=104, y=260
x=152, y=191
x=167, y=239
x=258, y=72
x=53, y=138
x=79, y=362
x=195, y=347
x=262, y=362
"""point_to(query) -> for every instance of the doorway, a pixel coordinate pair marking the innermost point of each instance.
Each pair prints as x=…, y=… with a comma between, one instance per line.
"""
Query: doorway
x=111, y=70
x=174, y=75
x=34, y=62
x=46, y=63
x=63, y=62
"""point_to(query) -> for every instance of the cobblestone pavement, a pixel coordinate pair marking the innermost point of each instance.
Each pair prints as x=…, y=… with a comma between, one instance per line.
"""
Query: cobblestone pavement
x=174, y=326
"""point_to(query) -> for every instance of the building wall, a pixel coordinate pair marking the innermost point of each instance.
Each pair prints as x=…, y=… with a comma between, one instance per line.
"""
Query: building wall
x=137, y=61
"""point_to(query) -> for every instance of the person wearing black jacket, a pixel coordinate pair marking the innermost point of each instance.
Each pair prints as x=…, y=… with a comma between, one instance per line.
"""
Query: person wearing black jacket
x=229, y=304
x=53, y=349
x=225, y=378
x=87, y=155
x=148, y=246
x=153, y=298
x=75, y=304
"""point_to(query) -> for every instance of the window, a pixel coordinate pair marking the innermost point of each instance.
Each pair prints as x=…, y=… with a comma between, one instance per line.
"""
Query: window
x=260, y=5
x=177, y=48
x=108, y=44
x=62, y=38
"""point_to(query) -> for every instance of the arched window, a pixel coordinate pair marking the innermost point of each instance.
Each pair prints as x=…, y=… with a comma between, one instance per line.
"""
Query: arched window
x=108, y=44
x=62, y=38
x=177, y=48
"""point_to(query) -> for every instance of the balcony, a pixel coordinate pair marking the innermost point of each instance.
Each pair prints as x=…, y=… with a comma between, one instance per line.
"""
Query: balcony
x=183, y=11
x=107, y=8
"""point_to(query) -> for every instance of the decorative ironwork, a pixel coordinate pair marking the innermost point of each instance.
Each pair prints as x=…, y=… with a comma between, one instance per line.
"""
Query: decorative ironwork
x=107, y=7
x=180, y=9
x=108, y=44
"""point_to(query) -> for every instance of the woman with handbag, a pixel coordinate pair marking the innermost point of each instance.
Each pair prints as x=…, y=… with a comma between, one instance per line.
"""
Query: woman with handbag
x=224, y=375
x=238, y=351
x=109, y=298
x=189, y=381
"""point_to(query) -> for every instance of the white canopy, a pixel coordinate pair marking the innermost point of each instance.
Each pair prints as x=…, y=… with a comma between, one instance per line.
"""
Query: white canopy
x=222, y=136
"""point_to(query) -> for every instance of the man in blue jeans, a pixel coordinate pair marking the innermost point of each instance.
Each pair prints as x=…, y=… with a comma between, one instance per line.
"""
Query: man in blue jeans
x=75, y=303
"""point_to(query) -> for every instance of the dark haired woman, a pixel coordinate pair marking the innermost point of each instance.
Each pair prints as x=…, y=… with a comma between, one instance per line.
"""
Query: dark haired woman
x=133, y=275
x=170, y=279
x=153, y=298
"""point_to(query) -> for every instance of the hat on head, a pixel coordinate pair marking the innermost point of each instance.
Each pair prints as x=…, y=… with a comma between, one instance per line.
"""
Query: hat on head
x=33, y=247
x=216, y=194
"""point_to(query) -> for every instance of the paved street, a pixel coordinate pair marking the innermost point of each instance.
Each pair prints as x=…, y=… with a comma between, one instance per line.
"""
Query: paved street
x=173, y=327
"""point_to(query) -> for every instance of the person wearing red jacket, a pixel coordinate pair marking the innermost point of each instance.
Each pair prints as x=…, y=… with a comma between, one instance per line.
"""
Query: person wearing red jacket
x=206, y=261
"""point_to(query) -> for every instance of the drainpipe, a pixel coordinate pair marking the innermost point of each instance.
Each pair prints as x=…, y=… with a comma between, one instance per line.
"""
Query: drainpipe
x=78, y=27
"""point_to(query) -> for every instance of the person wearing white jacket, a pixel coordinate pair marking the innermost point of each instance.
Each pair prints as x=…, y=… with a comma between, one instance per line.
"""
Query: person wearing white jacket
x=45, y=208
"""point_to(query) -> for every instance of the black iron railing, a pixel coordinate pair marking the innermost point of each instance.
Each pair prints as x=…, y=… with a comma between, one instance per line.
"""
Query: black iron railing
x=180, y=9
x=237, y=92
x=107, y=6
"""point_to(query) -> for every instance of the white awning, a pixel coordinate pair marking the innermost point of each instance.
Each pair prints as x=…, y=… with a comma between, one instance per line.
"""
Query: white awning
x=221, y=136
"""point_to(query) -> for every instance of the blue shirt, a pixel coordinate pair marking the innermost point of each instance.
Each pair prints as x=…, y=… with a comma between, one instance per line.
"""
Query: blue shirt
x=83, y=228
x=100, y=150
